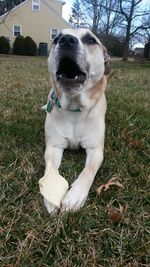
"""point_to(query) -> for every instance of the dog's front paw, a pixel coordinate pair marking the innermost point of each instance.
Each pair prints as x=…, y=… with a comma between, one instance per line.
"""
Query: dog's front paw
x=50, y=208
x=74, y=199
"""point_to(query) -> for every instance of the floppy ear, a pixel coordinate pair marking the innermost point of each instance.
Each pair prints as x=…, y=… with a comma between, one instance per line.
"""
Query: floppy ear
x=106, y=61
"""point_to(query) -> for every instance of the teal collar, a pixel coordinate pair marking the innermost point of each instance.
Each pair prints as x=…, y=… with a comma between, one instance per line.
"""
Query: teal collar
x=55, y=101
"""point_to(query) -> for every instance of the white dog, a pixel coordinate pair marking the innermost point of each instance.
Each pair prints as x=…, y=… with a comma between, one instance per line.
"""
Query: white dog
x=77, y=66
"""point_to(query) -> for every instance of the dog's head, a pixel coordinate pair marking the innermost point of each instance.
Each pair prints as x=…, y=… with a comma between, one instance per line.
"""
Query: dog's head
x=77, y=60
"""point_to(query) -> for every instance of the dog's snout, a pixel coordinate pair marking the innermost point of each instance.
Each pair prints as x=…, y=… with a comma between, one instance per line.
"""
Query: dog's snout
x=68, y=41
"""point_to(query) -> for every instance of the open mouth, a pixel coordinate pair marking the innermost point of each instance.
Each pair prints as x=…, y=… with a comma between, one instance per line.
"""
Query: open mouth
x=70, y=71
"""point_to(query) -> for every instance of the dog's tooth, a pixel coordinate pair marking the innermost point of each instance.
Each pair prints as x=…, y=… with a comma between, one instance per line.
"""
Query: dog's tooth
x=76, y=77
x=60, y=76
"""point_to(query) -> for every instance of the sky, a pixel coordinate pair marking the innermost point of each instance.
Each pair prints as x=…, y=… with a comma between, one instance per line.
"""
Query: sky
x=67, y=9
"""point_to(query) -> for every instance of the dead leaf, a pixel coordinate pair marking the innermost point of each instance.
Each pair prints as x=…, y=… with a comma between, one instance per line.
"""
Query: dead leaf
x=117, y=215
x=135, y=143
x=105, y=187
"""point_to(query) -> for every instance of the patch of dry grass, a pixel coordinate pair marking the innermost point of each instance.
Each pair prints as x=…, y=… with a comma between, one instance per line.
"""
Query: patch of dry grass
x=89, y=237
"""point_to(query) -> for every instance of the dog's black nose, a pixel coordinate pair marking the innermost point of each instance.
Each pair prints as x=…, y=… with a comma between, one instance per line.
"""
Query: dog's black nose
x=68, y=41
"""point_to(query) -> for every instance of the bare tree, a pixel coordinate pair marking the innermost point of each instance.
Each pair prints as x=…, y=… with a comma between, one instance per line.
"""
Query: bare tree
x=143, y=36
x=134, y=17
x=93, y=10
x=100, y=13
x=109, y=20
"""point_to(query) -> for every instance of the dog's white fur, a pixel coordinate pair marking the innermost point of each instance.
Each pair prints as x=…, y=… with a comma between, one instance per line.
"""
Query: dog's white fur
x=64, y=128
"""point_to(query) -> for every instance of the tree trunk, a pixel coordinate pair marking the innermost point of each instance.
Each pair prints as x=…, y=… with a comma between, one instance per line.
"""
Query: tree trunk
x=125, y=50
x=94, y=27
x=126, y=43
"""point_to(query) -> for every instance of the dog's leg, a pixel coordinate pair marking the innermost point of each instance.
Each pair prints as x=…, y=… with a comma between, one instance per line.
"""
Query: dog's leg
x=53, y=157
x=77, y=195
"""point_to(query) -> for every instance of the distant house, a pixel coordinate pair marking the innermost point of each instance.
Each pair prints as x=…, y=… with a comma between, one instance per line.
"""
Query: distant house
x=139, y=53
x=40, y=19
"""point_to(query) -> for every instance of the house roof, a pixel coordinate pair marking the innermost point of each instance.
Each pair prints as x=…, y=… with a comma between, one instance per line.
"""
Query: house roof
x=44, y=2
x=54, y=10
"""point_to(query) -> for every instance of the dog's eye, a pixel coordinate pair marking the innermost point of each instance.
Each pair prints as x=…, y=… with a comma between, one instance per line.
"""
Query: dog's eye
x=57, y=38
x=88, y=39
x=92, y=40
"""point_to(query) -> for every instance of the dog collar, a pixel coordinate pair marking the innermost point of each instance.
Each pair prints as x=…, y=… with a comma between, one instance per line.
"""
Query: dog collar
x=55, y=101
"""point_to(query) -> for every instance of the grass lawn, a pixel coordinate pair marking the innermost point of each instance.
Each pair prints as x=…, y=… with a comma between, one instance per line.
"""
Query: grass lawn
x=92, y=236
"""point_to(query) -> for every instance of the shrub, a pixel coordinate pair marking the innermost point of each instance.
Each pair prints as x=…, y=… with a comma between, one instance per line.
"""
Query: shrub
x=117, y=48
x=30, y=46
x=4, y=45
x=18, y=46
x=113, y=44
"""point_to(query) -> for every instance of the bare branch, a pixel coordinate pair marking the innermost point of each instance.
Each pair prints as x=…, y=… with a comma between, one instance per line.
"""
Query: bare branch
x=140, y=15
x=136, y=3
x=141, y=27
x=122, y=11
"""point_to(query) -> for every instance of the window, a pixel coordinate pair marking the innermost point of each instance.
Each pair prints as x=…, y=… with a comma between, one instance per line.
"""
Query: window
x=53, y=33
x=16, y=31
x=35, y=5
